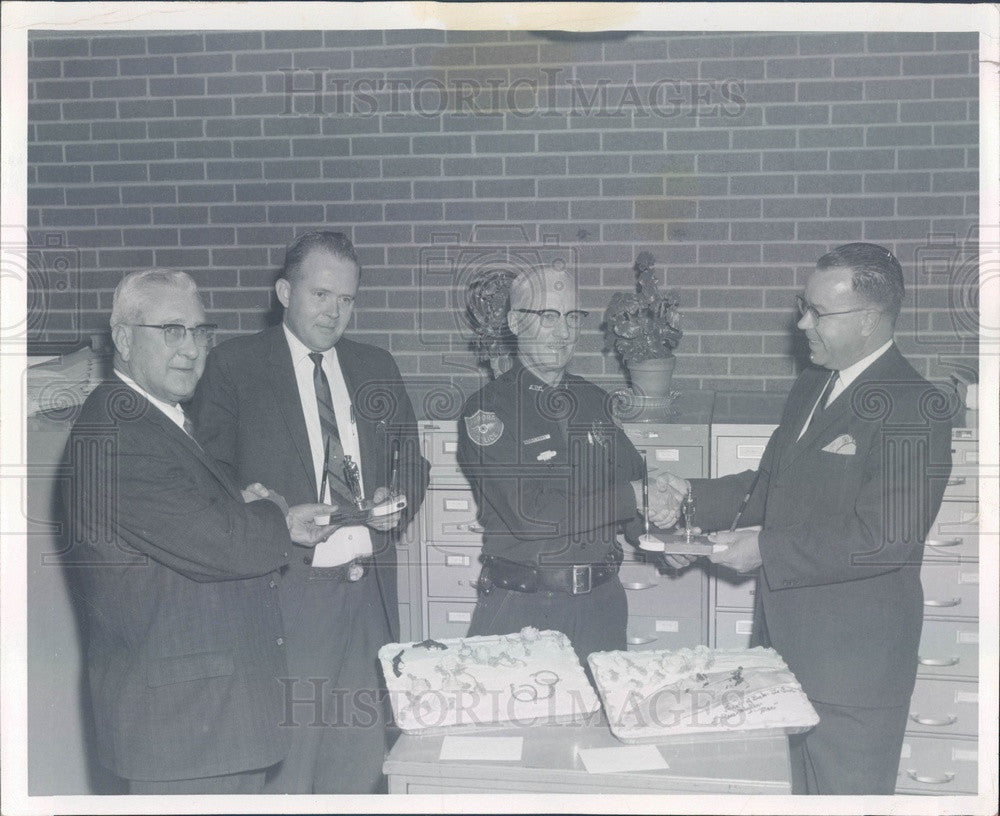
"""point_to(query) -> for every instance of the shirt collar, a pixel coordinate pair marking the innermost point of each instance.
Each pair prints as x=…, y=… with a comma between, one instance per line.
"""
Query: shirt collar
x=174, y=412
x=300, y=351
x=528, y=381
x=852, y=372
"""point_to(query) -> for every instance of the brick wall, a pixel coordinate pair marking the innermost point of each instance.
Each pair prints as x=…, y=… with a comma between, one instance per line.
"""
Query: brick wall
x=736, y=159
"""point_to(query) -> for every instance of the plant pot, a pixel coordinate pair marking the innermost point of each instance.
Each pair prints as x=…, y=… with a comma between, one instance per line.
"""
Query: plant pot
x=651, y=378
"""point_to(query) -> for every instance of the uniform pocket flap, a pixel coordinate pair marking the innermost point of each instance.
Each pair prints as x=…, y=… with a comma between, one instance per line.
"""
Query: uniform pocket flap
x=169, y=670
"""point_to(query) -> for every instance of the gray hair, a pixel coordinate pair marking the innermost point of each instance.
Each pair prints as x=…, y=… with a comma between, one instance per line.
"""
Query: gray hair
x=138, y=290
x=531, y=281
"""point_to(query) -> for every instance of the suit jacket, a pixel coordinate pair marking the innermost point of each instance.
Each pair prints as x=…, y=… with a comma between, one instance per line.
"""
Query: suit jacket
x=248, y=415
x=839, y=592
x=175, y=576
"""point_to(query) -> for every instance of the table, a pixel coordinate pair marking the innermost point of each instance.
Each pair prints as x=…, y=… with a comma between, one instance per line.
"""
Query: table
x=723, y=764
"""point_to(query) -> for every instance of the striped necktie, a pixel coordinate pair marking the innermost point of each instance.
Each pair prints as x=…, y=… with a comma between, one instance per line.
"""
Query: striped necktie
x=327, y=416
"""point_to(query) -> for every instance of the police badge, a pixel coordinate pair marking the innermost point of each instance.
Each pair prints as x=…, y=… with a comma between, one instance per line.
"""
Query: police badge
x=484, y=428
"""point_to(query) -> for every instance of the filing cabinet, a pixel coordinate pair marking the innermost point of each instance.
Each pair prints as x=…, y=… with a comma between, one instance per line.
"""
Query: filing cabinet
x=937, y=765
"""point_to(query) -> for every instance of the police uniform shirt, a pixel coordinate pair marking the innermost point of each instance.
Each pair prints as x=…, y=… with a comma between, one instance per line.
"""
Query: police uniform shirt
x=550, y=470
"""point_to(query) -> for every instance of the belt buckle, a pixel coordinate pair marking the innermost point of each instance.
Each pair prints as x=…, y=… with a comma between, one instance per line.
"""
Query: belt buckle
x=355, y=571
x=581, y=579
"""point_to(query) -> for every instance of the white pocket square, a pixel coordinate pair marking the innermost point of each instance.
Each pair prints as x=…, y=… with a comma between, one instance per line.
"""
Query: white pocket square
x=843, y=444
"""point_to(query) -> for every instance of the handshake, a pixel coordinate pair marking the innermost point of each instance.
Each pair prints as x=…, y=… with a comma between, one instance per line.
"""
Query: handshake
x=667, y=494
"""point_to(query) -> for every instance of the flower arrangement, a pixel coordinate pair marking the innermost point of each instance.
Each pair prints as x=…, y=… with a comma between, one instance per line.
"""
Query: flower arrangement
x=645, y=324
x=487, y=304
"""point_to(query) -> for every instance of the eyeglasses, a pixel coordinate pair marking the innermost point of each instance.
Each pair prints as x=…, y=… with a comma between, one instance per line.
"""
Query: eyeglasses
x=174, y=333
x=549, y=317
x=806, y=308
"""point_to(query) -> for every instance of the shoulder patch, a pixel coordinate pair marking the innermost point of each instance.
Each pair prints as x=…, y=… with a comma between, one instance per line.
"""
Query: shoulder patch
x=484, y=428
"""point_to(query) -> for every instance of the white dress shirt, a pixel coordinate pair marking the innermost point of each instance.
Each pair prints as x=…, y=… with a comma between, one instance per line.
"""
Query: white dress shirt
x=354, y=541
x=173, y=411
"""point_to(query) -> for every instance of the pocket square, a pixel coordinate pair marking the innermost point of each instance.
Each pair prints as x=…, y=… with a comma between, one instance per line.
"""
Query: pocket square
x=843, y=444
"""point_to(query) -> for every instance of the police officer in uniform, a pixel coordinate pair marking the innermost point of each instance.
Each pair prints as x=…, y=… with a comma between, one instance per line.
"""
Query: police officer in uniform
x=554, y=479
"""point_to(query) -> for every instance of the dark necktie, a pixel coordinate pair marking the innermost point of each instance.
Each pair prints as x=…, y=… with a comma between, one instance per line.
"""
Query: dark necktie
x=824, y=398
x=327, y=416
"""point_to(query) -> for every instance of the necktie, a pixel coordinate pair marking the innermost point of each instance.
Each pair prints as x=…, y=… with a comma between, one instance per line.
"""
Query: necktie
x=823, y=398
x=327, y=416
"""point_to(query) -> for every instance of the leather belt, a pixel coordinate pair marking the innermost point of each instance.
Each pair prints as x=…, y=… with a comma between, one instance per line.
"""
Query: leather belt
x=577, y=579
x=348, y=572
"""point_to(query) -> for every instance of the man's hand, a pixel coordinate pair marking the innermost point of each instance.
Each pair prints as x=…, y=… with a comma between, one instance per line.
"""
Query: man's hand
x=257, y=491
x=384, y=523
x=666, y=492
x=302, y=526
x=742, y=551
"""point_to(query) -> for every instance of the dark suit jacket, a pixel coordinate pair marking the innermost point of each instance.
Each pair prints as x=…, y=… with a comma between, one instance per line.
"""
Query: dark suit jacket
x=839, y=592
x=248, y=415
x=181, y=614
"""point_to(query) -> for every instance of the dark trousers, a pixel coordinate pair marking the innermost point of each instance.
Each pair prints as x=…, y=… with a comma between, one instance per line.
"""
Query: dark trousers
x=333, y=692
x=851, y=751
x=594, y=622
x=237, y=783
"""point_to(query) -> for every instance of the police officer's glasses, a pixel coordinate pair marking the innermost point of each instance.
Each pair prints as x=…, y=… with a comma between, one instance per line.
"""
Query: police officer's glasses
x=549, y=317
x=174, y=333
x=806, y=308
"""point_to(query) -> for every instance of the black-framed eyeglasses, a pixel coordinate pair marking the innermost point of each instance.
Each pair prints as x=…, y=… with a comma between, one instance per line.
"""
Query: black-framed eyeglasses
x=549, y=317
x=806, y=308
x=174, y=333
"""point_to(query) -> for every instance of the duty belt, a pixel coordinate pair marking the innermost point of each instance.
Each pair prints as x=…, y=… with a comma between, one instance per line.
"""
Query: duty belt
x=576, y=579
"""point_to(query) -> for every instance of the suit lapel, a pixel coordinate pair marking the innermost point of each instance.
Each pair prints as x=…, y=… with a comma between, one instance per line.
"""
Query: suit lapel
x=352, y=367
x=280, y=374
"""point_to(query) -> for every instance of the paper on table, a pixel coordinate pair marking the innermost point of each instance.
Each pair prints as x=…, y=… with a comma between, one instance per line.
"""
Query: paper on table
x=345, y=544
x=621, y=758
x=483, y=749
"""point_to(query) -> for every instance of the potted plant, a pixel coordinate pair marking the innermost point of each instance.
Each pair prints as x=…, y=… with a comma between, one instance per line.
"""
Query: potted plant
x=487, y=304
x=643, y=328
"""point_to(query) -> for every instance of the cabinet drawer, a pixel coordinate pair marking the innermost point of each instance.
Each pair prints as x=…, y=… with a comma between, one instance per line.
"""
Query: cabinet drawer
x=963, y=482
x=733, y=630
x=439, y=443
x=937, y=765
x=450, y=515
x=733, y=590
x=955, y=531
x=949, y=648
x=653, y=593
x=944, y=707
x=664, y=632
x=452, y=571
x=950, y=589
x=734, y=454
x=448, y=619
x=686, y=461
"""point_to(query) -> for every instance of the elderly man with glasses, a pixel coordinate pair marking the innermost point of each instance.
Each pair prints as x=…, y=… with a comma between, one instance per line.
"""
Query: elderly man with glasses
x=554, y=480
x=845, y=494
x=174, y=566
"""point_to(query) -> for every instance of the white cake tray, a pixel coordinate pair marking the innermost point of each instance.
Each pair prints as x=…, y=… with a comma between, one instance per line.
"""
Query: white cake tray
x=504, y=725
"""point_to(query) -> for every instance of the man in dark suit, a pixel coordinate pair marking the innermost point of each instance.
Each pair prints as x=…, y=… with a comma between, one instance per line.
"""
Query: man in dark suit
x=846, y=491
x=174, y=566
x=287, y=404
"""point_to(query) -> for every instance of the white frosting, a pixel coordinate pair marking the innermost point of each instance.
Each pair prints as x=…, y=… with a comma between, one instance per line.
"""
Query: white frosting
x=527, y=677
x=655, y=694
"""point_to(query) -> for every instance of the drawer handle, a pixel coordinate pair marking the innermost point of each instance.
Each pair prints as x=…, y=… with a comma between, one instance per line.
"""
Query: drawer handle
x=936, y=603
x=637, y=585
x=951, y=719
x=934, y=661
x=956, y=481
x=640, y=641
x=944, y=542
x=931, y=780
x=475, y=527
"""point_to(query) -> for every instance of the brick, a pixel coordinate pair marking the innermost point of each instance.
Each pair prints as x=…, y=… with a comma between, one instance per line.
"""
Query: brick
x=204, y=64
x=150, y=236
x=237, y=214
x=442, y=190
x=863, y=113
x=629, y=186
x=697, y=140
x=475, y=211
x=831, y=183
x=797, y=160
x=932, y=111
x=964, y=87
x=476, y=123
x=204, y=107
x=233, y=40
x=505, y=188
x=732, y=344
x=177, y=170
x=835, y=91
x=145, y=109
x=63, y=132
x=147, y=194
x=479, y=166
x=535, y=166
x=666, y=209
x=896, y=229
x=383, y=58
x=378, y=146
x=61, y=217
x=292, y=168
x=443, y=145
x=234, y=170
x=504, y=143
x=232, y=127
x=122, y=216
x=797, y=114
x=957, y=181
x=568, y=187
x=604, y=210
x=841, y=42
x=681, y=48
x=64, y=174
x=625, y=232
x=866, y=66
x=117, y=130
x=956, y=41
x=733, y=162
x=762, y=185
x=147, y=150
x=862, y=159
x=861, y=207
x=762, y=231
x=895, y=41
x=145, y=66
x=383, y=234
x=86, y=238
x=533, y=122
x=898, y=135
x=89, y=67
x=291, y=126
x=189, y=259
x=204, y=149
x=89, y=196
x=831, y=137
x=956, y=134
x=920, y=158
x=59, y=46
x=239, y=85
x=126, y=258
x=414, y=211
x=175, y=44
x=48, y=153
x=118, y=88
x=62, y=89
x=294, y=213
x=936, y=64
x=261, y=148
x=729, y=253
x=799, y=68
x=117, y=46
x=728, y=208
x=571, y=142
x=897, y=182
x=266, y=61
x=349, y=212
x=760, y=92
x=88, y=110
x=180, y=215
x=270, y=105
x=44, y=111
x=930, y=205
x=176, y=129
x=894, y=89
